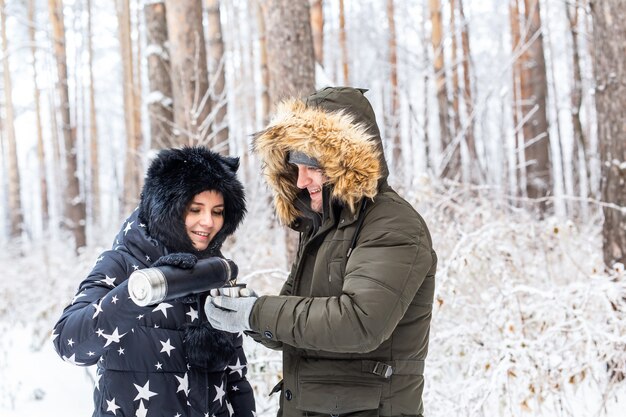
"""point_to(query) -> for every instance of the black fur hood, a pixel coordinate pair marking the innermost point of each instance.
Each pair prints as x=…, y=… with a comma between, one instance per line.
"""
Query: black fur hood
x=174, y=177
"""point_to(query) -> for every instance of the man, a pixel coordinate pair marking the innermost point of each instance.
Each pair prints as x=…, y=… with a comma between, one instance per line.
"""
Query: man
x=353, y=317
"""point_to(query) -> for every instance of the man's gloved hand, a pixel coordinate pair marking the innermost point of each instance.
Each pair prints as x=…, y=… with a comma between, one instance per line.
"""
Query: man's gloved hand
x=180, y=260
x=230, y=314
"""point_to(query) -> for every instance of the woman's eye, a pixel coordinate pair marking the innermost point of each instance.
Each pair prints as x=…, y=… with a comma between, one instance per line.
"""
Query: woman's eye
x=194, y=210
x=218, y=213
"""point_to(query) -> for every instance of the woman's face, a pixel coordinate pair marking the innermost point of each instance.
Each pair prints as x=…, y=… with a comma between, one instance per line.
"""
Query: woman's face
x=204, y=218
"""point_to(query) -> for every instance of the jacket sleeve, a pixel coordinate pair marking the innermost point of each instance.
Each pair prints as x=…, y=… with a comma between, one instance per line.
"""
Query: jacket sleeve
x=100, y=314
x=387, y=267
x=239, y=390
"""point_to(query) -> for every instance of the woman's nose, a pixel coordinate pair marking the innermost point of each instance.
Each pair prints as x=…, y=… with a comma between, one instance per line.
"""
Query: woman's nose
x=206, y=220
x=303, y=178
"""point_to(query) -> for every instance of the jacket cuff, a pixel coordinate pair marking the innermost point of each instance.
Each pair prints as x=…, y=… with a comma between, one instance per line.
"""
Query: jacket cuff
x=264, y=316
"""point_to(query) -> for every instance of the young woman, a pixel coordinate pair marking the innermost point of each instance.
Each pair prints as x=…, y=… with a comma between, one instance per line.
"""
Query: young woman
x=165, y=359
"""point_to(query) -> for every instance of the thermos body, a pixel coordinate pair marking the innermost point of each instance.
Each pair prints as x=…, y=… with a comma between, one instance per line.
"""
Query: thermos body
x=154, y=285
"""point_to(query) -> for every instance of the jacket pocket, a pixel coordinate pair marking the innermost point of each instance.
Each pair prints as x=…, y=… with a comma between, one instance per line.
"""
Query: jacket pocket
x=335, y=277
x=335, y=398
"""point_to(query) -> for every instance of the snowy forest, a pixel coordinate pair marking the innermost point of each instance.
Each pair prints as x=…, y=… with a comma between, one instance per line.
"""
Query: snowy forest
x=503, y=123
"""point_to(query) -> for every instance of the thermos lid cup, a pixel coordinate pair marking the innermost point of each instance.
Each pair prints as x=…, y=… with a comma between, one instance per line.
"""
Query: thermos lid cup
x=147, y=286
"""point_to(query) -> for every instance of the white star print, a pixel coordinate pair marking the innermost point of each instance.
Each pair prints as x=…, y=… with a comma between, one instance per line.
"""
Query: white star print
x=77, y=296
x=108, y=281
x=72, y=359
x=54, y=335
x=98, y=376
x=98, y=308
x=99, y=259
x=120, y=351
x=141, y=411
x=144, y=392
x=235, y=388
x=147, y=258
x=237, y=368
x=167, y=347
x=159, y=366
x=100, y=332
x=113, y=337
x=135, y=267
x=219, y=393
x=162, y=307
x=230, y=408
x=128, y=227
x=70, y=342
x=192, y=313
x=183, y=384
x=114, y=299
x=111, y=406
x=90, y=353
x=139, y=317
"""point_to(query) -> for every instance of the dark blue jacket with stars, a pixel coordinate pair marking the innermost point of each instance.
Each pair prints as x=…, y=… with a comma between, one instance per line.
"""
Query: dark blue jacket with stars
x=143, y=353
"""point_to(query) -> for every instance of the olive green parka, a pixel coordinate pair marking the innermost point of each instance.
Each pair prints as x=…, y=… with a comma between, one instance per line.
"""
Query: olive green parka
x=353, y=317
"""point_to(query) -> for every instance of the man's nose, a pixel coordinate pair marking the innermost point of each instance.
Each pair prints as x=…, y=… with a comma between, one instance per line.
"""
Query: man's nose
x=303, y=177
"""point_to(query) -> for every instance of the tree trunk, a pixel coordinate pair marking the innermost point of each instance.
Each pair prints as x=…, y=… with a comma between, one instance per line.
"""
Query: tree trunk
x=394, y=116
x=343, y=44
x=534, y=87
x=580, y=155
x=16, y=216
x=190, y=82
x=160, y=111
x=219, y=99
x=456, y=121
x=467, y=93
x=74, y=207
x=265, y=75
x=317, y=29
x=609, y=67
x=43, y=181
x=451, y=154
x=93, y=125
x=291, y=62
x=132, y=162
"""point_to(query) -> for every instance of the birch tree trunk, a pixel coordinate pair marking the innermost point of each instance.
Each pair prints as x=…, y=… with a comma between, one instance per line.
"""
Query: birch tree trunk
x=610, y=67
x=219, y=99
x=190, y=82
x=160, y=104
x=16, y=215
x=317, y=29
x=43, y=181
x=74, y=204
x=580, y=155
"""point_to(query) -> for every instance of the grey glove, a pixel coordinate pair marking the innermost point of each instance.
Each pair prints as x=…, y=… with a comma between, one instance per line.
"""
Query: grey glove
x=229, y=314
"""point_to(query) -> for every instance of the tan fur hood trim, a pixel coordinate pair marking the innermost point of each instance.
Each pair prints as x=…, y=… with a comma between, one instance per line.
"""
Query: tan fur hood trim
x=347, y=154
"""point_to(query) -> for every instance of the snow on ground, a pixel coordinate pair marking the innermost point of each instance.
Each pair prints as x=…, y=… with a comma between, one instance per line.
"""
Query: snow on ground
x=526, y=321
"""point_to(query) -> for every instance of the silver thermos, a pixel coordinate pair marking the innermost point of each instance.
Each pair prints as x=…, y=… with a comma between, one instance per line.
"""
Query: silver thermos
x=154, y=285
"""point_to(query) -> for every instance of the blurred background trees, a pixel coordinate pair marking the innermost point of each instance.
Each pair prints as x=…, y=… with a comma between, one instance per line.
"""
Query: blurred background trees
x=521, y=98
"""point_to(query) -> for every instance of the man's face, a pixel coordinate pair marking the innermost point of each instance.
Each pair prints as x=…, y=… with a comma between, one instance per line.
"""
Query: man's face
x=312, y=179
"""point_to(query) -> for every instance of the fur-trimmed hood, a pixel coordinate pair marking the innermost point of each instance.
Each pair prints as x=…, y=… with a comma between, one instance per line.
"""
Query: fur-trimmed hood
x=337, y=127
x=174, y=177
